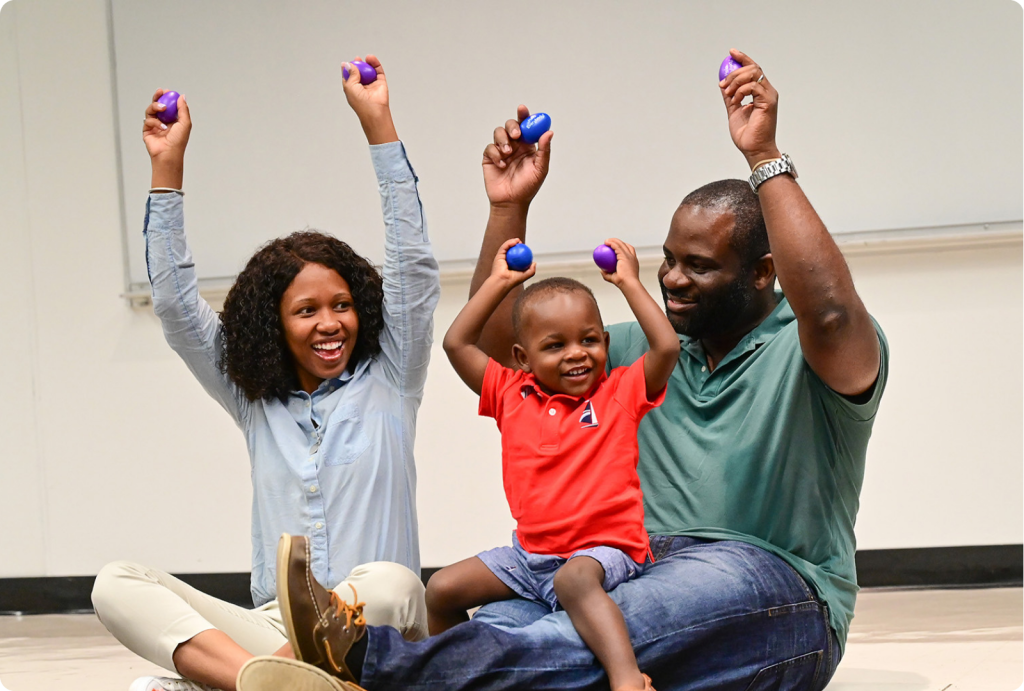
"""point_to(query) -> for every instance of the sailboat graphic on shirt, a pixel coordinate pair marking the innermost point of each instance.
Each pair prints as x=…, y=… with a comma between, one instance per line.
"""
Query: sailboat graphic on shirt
x=589, y=417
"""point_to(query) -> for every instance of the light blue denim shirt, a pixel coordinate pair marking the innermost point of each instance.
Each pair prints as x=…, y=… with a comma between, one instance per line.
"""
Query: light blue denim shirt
x=336, y=465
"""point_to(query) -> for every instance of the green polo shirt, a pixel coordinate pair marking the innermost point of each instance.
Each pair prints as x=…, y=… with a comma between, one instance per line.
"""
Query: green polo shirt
x=759, y=450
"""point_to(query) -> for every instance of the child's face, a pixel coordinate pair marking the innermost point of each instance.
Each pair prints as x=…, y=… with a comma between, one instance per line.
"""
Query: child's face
x=562, y=342
x=320, y=324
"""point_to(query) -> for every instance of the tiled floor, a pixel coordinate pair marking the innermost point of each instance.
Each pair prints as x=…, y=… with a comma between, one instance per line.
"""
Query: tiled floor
x=924, y=640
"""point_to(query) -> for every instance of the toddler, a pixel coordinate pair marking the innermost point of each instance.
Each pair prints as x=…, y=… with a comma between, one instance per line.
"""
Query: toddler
x=569, y=454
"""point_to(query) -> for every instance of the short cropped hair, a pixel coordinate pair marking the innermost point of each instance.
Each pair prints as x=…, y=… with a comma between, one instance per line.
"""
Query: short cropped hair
x=540, y=289
x=254, y=353
x=749, y=236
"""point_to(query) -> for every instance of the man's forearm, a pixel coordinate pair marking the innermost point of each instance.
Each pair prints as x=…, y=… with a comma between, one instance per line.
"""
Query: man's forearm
x=836, y=332
x=466, y=328
x=810, y=267
x=460, y=342
x=503, y=224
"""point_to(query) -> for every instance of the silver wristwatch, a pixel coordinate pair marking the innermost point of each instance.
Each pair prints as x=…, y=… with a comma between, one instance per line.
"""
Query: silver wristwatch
x=770, y=170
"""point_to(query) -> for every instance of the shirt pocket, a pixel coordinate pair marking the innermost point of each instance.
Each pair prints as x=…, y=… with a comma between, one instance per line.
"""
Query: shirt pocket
x=345, y=439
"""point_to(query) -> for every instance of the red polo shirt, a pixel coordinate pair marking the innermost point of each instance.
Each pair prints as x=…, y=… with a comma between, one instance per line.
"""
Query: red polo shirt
x=569, y=464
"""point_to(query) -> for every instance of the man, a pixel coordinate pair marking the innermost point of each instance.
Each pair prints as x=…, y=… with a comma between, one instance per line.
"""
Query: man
x=751, y=469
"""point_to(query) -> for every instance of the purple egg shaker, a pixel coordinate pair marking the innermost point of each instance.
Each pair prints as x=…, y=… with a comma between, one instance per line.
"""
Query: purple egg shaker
x=169, y=99
x=605, y=258
x=367, y=74
x=728, y=65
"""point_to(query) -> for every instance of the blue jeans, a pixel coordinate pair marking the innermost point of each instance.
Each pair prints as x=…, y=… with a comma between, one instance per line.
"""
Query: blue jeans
x=705, y=615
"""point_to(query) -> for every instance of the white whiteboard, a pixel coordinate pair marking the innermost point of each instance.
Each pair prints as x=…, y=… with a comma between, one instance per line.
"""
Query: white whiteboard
x=897, y=115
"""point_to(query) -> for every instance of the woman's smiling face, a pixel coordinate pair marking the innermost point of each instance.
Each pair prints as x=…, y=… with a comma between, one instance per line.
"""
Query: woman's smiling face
x=320, y=324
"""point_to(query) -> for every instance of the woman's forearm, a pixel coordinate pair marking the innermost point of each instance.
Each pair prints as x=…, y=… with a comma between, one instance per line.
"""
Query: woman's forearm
x=168, y=173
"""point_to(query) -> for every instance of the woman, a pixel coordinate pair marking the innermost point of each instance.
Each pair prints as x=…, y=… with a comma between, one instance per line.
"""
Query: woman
x=321, y=362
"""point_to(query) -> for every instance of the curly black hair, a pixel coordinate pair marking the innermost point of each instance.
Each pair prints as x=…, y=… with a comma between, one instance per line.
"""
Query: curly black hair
x=254, y=353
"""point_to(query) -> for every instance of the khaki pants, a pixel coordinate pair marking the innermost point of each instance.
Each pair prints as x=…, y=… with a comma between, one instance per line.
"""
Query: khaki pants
x=152, y=612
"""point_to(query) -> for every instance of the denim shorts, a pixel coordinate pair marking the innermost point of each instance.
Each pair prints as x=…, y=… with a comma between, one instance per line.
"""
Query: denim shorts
x=532, y=576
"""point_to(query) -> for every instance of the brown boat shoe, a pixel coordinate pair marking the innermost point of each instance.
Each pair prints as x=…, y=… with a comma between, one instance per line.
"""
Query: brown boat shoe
x=321, y=626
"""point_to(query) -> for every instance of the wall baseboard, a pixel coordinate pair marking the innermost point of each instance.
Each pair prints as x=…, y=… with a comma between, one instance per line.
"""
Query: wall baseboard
x=67, y=594
x=983, y=566
x=938, y=567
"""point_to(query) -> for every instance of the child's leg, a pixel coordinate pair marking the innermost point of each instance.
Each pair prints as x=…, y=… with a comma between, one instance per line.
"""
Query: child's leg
x=459, y=587
x=598, y=620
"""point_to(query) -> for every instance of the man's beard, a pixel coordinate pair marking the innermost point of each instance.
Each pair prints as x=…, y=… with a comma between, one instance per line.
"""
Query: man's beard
x=716, y=313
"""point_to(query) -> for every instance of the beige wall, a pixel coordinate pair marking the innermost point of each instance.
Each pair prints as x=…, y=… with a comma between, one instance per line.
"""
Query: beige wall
x=108, y=448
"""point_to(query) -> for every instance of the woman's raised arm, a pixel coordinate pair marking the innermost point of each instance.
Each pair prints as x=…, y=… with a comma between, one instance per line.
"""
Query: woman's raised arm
x=411, y=276
x=190, y=325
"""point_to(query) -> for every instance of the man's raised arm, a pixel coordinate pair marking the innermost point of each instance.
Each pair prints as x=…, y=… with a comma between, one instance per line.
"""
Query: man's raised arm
x=837, y=336
x=513, y=174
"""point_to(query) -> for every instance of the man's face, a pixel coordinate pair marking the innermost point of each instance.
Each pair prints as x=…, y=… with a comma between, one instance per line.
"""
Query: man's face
x=703, y=281
x=563, y=342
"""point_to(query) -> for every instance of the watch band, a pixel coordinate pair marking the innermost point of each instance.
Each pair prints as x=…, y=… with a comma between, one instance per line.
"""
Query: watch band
x=770, y=169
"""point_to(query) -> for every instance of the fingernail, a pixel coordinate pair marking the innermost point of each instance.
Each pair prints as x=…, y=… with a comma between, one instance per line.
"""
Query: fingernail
x=506, y=148
x=163, y=126
x=501, y=164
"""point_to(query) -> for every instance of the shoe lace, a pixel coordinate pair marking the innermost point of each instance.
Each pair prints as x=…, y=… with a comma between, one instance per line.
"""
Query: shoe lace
x=353, y=613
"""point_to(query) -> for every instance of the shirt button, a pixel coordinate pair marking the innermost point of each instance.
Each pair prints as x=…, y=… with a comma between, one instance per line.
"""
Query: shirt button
x=319, y=526
x=312, y=488
x=703, y=369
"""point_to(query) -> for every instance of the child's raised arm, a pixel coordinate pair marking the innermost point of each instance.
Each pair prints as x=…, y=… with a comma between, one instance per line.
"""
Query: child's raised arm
x=662, y=338
x=460, y=342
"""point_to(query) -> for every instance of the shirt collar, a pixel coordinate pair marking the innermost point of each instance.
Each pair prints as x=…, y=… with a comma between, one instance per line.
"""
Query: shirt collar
x=331, y=385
